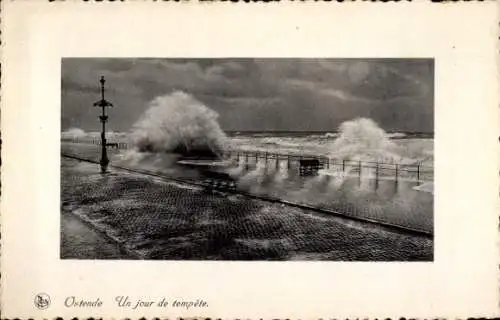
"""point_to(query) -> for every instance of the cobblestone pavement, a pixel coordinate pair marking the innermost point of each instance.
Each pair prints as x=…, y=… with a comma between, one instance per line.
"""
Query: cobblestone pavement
x=154, y=219
x=81, y=241
x=388, y=202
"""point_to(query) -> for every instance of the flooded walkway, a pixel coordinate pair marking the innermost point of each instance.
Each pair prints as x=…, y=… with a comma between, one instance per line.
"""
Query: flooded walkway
x=155, y=219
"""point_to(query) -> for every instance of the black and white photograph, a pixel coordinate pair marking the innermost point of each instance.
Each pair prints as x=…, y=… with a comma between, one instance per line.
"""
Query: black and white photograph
x=239, y=159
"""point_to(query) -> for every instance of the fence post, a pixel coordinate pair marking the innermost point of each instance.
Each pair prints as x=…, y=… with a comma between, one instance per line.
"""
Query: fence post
x=277, y=162
x=343, y=165
x=359, y=167
x=418, y=172
x=288, y=161
x=265, y=157
x=376, y=176
x=397, y=171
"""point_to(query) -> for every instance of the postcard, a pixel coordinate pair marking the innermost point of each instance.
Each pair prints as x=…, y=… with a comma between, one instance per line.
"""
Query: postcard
x=215, y=160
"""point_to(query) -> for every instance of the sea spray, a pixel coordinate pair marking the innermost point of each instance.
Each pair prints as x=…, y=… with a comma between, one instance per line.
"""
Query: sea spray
x=362, y=139
x=337, y=179
x=174, y=126
x=312, y=190
x=73, y=134
x=238, y=169
x=179, y=123
x=153, y=161
x=281, y=174
x=78, y=134
x=254, y=179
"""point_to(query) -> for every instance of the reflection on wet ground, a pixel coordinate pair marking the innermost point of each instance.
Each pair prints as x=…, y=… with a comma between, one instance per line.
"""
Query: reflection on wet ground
x=161, y=220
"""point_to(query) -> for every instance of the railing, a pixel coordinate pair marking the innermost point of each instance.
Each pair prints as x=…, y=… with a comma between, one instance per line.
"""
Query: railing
x=378, y=170
x=96, y=141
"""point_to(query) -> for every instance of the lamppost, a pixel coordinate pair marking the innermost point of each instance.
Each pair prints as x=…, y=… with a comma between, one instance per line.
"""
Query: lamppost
x=103, y=103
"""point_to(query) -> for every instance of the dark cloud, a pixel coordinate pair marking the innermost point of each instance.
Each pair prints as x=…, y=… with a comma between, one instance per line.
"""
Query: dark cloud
x=257, y=94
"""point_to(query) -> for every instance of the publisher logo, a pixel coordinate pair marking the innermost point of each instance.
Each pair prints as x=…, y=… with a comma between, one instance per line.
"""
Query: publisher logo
x=42, y=301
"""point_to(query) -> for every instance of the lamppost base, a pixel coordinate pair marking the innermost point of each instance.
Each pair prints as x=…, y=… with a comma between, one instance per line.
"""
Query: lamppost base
x=104, y=166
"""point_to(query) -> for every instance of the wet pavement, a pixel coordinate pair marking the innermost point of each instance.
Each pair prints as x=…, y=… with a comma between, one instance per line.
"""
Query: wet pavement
x=81, y=241
x=130, y=216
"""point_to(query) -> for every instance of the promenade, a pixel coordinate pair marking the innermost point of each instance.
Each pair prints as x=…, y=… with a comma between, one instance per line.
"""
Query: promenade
x=81, y=241
x=125, y=215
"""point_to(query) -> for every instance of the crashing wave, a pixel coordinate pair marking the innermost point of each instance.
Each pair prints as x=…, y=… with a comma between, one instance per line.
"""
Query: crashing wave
x=178, y=123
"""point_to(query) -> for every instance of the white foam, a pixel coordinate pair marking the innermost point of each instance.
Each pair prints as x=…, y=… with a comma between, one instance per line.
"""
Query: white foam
x=178, y=120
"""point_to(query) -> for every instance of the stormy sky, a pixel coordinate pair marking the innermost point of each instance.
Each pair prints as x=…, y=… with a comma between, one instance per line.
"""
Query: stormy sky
x=257, y=94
